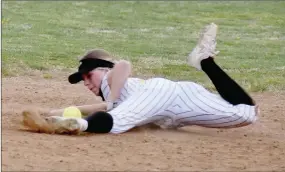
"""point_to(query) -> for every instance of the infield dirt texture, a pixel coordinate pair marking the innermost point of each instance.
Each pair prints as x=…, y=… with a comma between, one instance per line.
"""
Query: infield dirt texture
x=40, y=43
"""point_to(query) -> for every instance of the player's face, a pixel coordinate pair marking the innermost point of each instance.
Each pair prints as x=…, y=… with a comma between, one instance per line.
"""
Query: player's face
x=93, y=80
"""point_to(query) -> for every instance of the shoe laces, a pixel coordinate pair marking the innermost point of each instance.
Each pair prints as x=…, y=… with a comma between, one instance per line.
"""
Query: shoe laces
x=209, y=48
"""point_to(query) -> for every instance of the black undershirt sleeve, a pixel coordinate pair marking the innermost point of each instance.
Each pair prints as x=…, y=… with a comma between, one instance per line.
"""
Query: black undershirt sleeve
x=99, y=122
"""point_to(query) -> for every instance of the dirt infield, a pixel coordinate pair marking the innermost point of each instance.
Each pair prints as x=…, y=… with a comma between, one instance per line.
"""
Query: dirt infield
x=257, y=147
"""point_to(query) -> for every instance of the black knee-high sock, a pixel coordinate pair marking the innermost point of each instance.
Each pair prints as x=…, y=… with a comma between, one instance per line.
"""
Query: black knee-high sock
x=227, y=87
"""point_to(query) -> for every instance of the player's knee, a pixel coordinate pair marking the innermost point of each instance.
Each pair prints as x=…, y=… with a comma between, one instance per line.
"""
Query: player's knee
x=99, y=122
x=247, y=114
x=247, y=120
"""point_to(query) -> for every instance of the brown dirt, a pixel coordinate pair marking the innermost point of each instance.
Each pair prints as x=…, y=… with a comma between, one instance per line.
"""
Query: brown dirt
x=253, y=148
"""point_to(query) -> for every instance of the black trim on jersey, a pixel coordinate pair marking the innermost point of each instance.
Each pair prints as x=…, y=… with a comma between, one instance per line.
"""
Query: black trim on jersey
x=101, y=94
x=99, y=122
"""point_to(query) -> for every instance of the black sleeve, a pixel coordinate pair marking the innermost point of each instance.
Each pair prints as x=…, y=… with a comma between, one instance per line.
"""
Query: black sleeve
x=99, y=122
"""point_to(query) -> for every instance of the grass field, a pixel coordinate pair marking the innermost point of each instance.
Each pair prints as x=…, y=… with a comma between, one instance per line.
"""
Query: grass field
x=155, y=36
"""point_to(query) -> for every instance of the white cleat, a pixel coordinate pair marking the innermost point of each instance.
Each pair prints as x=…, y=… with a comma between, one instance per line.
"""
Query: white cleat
x=206, y=46
x=64, y=125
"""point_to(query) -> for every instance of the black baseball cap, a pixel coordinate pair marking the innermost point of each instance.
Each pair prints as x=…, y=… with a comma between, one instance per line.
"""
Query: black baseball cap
x=92, y=60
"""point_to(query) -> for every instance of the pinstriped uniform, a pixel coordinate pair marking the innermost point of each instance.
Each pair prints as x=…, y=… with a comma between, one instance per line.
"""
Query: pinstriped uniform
x=172, y=104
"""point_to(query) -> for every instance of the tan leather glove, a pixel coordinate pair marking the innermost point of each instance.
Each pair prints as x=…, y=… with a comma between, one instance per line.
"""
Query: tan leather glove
x=35, y=120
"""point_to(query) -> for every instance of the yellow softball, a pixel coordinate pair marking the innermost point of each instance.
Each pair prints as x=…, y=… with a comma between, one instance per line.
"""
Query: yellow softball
x=72, y=112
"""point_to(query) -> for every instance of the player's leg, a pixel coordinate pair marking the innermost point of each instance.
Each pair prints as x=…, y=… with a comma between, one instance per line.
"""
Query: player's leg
x=202, y=58
x=234, y=109
x=225, y=85
x=201, y=107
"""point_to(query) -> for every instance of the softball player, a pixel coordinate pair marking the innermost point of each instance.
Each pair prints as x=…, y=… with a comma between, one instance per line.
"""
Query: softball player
x=160, y=101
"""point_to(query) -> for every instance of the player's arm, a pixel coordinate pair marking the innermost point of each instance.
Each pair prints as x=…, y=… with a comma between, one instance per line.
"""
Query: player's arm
x=117, y=78
x=84, y=109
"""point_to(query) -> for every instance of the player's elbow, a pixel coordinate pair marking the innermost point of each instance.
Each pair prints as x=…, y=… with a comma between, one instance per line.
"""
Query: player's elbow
x=124, y=66
x=124, y=63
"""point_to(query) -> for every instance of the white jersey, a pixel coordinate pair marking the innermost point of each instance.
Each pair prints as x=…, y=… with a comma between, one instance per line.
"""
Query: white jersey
x=172, y=104
x=131, y=86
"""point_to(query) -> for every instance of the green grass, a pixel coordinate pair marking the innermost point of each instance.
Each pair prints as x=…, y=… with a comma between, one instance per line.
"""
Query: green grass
x=155, y=36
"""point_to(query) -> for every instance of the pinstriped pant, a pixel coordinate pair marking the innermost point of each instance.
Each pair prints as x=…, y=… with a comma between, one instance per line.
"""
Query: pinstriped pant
x=176, y=104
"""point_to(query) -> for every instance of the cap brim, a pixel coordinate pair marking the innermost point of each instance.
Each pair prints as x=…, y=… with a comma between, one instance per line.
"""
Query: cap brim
x=75, y=78
x=86, y=66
